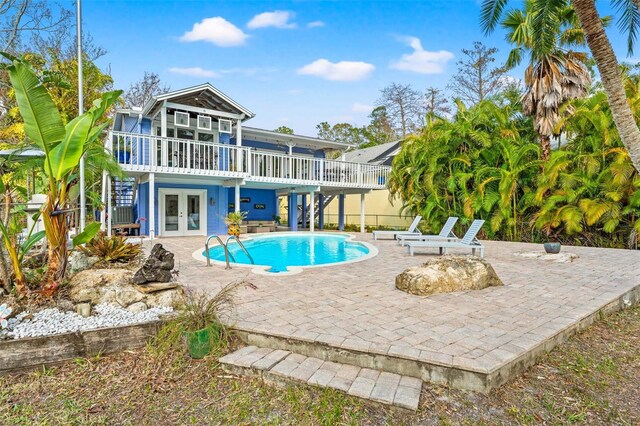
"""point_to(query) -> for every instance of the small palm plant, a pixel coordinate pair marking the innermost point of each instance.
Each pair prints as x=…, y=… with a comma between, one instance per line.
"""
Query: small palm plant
x=5, y=311
x=233, y=221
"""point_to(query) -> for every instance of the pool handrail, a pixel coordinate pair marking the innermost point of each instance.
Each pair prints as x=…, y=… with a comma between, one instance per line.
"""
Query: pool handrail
x=226, y=249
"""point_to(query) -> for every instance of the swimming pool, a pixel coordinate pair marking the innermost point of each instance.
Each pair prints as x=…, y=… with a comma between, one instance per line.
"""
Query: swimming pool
x=288, y=252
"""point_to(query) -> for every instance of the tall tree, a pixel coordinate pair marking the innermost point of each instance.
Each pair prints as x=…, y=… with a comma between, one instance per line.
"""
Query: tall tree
x=380, y=130
x=140, y=92
x=24, y=22
x=600, y=48
x=435, y=103
x=284, y=129
x=403, y=105
x=556, y=74
x=342, y=132
x=477, y=77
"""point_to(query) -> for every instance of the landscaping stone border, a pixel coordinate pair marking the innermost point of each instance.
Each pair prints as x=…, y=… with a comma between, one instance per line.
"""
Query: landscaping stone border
x=25, y=354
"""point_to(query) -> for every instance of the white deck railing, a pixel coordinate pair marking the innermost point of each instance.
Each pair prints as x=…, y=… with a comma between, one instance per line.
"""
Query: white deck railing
x=146, y=153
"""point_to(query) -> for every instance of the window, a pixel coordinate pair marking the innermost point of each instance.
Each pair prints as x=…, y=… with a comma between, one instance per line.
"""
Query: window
x=204, y=122
x=181, y=119
x=205, y=137
x=171, y=132
x=186, y=134
x=224, y=126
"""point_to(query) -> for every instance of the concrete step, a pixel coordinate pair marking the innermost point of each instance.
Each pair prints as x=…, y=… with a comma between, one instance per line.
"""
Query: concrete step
x=280, y=366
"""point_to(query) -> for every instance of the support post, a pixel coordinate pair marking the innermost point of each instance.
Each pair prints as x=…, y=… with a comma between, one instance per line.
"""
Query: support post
x=341, y=212
x=239, y=145
x=362, y=227
x=304, y=211
x=109, y=209
x=152, y=205
x=312, y=211
x=321, y=211
x=293, y=211
x=103, y=199
x=164, y=147
x=83, y=196
x=236, y=201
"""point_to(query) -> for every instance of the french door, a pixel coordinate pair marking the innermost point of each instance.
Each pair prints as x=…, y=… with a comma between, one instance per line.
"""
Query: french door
x=182, y=212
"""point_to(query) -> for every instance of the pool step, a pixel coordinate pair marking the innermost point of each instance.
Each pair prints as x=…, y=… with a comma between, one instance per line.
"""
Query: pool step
x=280, y=366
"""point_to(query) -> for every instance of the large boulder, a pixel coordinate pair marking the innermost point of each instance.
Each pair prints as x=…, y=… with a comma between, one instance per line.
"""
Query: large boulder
x=115, y=286
x=79, y=261
x=446, y=274
x=157, y=268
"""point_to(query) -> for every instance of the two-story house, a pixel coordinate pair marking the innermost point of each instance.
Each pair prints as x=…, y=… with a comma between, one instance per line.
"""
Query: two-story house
x=190, y=160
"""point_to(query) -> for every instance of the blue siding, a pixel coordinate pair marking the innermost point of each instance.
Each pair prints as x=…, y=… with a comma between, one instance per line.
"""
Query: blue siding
x=143, y=207
x=257, y=196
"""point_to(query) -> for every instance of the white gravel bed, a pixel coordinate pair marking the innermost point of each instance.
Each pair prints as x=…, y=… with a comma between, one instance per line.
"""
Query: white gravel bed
x=53, y=321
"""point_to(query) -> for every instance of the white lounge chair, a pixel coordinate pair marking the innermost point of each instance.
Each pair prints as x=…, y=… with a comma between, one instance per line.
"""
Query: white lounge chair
x=446, y=233
x=468, y=241
x=412, y=230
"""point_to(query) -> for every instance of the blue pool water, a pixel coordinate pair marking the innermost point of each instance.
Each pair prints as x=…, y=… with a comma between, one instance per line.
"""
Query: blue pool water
x=281, y=251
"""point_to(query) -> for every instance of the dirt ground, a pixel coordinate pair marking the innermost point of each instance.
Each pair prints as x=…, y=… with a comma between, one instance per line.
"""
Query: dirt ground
x=592, y=379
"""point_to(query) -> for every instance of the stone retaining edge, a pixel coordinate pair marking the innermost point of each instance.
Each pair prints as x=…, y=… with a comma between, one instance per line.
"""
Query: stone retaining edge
x=30, y=353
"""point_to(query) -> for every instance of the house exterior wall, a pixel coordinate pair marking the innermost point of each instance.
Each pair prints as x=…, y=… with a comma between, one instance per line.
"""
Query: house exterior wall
x=257, y=196
x=378, y=210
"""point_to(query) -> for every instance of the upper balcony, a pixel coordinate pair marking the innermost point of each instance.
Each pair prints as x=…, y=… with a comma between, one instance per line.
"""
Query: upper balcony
x=147, y=153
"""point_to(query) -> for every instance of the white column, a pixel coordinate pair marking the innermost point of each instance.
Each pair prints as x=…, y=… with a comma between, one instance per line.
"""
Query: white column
x=362, y=228
x=163, y=134
x=237, y=198
x=109, y=209
x=291, y=145
x=239, y=144
x=152, y=205
x=103, y=198
x=312, y=211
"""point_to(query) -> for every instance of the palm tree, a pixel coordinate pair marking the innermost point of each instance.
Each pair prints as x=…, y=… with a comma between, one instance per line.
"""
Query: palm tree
x=601, y=50
x=556, y=73
x=63, y=146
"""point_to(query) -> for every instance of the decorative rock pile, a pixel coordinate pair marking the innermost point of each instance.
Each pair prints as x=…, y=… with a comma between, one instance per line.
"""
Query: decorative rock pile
x=53, y=321
x=446, y=274
x=157, y=268
x=118, y=286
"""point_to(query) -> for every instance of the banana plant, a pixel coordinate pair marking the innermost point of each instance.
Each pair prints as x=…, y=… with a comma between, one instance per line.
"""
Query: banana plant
x=63, y=147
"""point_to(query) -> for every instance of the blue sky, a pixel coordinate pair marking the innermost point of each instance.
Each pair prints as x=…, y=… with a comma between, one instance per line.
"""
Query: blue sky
x=292, y=63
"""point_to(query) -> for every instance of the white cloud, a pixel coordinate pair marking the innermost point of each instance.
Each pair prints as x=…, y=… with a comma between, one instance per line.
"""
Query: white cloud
x=277, y=19
x=339, y=71
x=216, y=30
x=422, y=61
x=195, y=72
x=358, y=107
x=315, y=24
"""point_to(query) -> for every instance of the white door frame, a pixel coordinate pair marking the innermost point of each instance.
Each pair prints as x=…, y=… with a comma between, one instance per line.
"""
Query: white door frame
x=182, y=218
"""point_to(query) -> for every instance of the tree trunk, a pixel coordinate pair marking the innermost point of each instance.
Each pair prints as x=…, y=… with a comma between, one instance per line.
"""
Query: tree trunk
x=611, y=77
x=545, y=147
x=56, y=229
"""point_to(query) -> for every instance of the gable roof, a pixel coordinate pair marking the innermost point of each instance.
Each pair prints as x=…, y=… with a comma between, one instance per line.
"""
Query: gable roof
x=378, y=154
x=201, y=96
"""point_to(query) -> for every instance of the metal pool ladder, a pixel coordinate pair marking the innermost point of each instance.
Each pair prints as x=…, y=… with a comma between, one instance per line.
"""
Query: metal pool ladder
x=225, y=244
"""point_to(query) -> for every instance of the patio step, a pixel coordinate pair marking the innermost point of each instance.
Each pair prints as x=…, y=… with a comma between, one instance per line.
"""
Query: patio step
x=280, y=366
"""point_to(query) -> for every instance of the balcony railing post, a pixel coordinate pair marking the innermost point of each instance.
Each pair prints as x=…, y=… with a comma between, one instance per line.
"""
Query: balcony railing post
x=321, y=165
x=359, y=168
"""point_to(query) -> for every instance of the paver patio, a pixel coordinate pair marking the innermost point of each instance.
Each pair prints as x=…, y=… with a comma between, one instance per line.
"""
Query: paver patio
x=475, y=340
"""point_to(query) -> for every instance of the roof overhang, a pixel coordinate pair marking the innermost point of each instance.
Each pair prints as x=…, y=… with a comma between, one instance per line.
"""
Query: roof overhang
x=203, y=96
x=269, y=136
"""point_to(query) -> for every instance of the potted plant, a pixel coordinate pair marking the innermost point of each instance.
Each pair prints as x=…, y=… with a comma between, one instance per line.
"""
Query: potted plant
x=233, y=221
x=200, y=319
x=551, y=246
